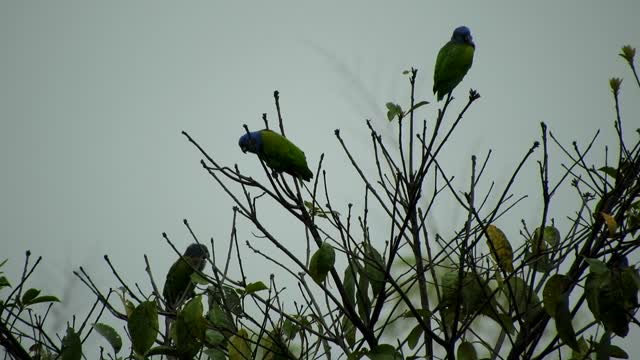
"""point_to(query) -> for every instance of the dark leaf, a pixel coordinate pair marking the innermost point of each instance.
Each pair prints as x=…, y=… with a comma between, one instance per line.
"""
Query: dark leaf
x=596, y=266
x=29, y=295
x=238, y=346
x=110, y=334
x=563, y=323
x=255, y=287
x=466, y=351
x=554, y=292
x=374, y=268
x=143, y=326
x=414, y=336
x=609, y=171
x=322, y=262
x=384, y=352
x=71, y=346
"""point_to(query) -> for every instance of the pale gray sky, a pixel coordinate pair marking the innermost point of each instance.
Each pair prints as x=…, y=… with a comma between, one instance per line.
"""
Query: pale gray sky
x=93, y=96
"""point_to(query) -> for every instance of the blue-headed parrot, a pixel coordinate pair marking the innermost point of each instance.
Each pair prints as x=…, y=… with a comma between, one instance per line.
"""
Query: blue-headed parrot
x=178, y=285
x=453, y=62
x=277, y=152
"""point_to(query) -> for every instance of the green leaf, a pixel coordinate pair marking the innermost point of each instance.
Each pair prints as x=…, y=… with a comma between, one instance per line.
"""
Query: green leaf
x=374, y=268
x=602, y=347
x=593, y=284
x=143, y=326
x=362, y=295
x=160, y=350
x=349, y=331
x=322, y=262
x=44, y=299
x=596, y=266
x=582, y=352
x=466, y=351
x=221, y=319
x=110, y=335
x=196, y=278
x=550, y=235
x=215, y=354
x=417, y=105
x=4, y=282
x=29, y=295
x=609, y=171
x=230, y=300
x=525, y=298
x=71, y=346
x=291, y=328
x=393, y=111
x=563, y=323
x=349, y=282
x=383, y=352
x=424, y=313
x=414, y=336
x=255, y=287
x=617, y=352
x=238, y=346
x=214, y=337
x=190, y=327
x=553, y=293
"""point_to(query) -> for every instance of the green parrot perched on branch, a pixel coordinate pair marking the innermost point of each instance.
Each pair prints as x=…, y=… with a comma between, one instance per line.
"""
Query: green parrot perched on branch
x=453, y=62
x=178, y=285
x=277, y=152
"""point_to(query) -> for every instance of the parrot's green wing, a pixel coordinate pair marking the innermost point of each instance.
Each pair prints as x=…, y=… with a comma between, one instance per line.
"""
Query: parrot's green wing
x=452, y=64
x=282, y=155
x=178, y=285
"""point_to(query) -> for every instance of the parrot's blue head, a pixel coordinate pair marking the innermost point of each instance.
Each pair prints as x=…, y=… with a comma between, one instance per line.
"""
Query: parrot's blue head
x=251, y=142
x=196, y=251
x=462, y=35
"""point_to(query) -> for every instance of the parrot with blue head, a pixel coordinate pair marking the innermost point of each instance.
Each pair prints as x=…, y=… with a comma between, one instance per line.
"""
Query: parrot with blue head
x=178, y=286
x=453, y=62
x=277, y=152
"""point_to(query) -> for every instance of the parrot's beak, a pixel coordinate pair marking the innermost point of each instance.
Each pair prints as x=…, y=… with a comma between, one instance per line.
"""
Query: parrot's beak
x=469, y=40
x=243, y=148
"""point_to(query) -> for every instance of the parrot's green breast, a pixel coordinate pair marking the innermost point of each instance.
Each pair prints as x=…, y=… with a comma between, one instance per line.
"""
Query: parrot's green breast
x=453, y=63
x=178, y=282
x=282, y=155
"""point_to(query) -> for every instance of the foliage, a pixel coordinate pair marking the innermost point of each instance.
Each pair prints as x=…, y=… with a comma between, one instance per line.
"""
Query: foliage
x=406, y=292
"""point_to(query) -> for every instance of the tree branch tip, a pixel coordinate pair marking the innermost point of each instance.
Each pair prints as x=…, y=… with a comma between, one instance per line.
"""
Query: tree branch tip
x=28, y=253
x=164, y=235
x=336, y=132
x=185, y=221
x=276, y=93
x=105, y=256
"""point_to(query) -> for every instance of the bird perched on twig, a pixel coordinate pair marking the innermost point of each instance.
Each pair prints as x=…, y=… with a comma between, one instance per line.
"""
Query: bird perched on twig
x=453, y=62
x=178, y=285
x=277, y=152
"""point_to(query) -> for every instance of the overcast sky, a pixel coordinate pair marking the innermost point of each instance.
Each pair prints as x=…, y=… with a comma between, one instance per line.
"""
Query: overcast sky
x=93, y=97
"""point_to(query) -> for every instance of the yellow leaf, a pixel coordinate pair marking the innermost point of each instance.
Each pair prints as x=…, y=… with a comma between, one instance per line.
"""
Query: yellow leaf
x=500, y=248
x=612, y=225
